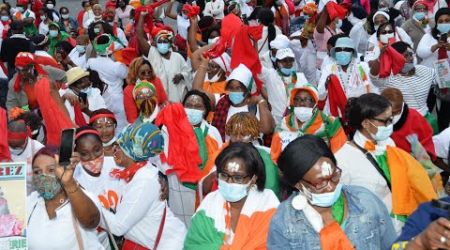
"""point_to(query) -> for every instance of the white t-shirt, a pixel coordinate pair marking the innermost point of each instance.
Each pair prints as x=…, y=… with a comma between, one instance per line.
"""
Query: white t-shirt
x=441, y=143
x=57, y=233
x=79, y=60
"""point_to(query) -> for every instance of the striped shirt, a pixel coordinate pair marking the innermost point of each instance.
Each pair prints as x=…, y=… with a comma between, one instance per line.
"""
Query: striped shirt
x=414, y=88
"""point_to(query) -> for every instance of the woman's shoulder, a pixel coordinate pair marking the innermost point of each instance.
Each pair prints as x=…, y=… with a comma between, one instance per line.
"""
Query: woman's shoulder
x=361, y=196
x=147, y=172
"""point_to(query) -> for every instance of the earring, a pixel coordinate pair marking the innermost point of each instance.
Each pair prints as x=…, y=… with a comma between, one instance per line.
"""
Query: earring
x=299, y=201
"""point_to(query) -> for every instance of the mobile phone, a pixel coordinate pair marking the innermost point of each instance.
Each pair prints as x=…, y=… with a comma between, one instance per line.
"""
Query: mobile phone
x=66, y=146
x=443, y=37
x=83, y=97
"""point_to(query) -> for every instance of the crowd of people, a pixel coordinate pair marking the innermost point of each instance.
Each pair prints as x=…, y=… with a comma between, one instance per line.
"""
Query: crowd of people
x=286, y=124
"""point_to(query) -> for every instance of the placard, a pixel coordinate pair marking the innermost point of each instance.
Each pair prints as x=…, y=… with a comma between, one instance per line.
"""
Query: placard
x=442, y=68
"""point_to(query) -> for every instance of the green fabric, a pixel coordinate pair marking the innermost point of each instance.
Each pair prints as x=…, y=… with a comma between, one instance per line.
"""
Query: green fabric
x=54, y=40
x=202, y=234
x=433, y=122
x=201, y=139
x=272, y=177
x=337, y=210
x=382, y=162
x=30, y=30
x=402, y=218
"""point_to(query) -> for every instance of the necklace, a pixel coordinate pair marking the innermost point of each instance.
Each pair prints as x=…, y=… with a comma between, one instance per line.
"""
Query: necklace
x=346, y=83
x=337, y=210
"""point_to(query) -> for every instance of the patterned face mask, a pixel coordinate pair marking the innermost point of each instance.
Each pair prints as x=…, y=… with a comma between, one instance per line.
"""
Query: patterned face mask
x=46, y=185
x=94, y=166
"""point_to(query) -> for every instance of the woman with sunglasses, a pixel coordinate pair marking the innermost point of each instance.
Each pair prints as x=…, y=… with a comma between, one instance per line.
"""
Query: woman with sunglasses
x=304, y=118
x=372, y=160
x=322, y=213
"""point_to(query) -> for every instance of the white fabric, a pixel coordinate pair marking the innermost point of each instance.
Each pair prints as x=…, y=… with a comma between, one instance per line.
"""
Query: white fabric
x=353, y=85
x=373, y=51
x=121, y=36
x=77, y=59
x=242, y=74
x=277, y=93
x=441, y=143
x=59, y=232
x=140, y=211
x=306, y=59
x=43, y=28
x=88, y=18
x=215, y=9
x=94, y=99
x=166, y=69
x=42, y=53
x=424, y=51
x=383, y=13
x=182, y=26
x=284, y=53
x=280, y=42
x=360, y=37
x=414, y=88
x=224, y=62
x=234, y=110
x=263, y=43
x=27, y=156
x=113, y=74
x=124, y=15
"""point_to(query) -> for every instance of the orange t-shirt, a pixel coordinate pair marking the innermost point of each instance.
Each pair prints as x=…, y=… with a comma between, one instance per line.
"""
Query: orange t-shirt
x=215, y=88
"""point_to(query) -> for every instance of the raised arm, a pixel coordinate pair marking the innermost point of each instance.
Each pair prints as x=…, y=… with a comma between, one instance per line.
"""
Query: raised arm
x=168, y=11
x=322, y=22
x=144, y=46
x=192, y=32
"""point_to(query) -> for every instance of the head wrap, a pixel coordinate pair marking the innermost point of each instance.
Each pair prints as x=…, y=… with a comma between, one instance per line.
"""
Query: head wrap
x=335, y=10
x=243, y=75
x=284, y=53
x=140, y=141
x=86, y=132
x=310, y=8
x=383, y=13
x=144, y=85
x=54, y=24
x=343, y=42
x=22, y=2
x=162, y=32
x=39, y=40
x=224, y=62
x=304, y=87
x=24, y=59
x=423, y=2
x=105, y=48
x=94, y=118
x=191, y=10
x=280, y=42
x=146, y=106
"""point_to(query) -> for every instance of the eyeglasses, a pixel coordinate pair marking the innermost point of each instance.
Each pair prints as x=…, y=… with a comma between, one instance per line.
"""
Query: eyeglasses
x=335, y=177
x=387, y=121
x=306, y=100
x=343, y=49
x=235, y=178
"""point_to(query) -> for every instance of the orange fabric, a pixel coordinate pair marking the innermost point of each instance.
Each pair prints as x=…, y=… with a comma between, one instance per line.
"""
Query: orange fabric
x=282, y=19
x=251, y=232
x=332, y=237
x=316, y=125
x=29, y=91
x=338, y=140
x=275, y=147
x=214, y=88
x=410, y=189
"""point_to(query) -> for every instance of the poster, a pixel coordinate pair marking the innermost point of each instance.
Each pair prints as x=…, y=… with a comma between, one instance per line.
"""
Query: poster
x=442, y=68
x=13, y=206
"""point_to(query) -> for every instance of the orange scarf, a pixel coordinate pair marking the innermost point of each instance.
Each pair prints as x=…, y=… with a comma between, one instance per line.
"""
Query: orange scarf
x=332, y=237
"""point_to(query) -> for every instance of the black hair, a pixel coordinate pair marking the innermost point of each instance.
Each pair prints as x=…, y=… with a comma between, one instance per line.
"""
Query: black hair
x=106, y=29
x=208, y=31
x=249, y=155
x=300, y=156
x=83, y=128
x=384, y=26
x=206, y=100
x=102, y=111
x=400, y=47
x=442, y=11
x=266, y=18
x=255, y=14
x=17, y=126
x=96, y=81
x=64, y=45
x=83, y=3
x=332, y=40
x=38, y=39
x=32, y=119
x=366, y=106
x=126, y=3
x=17, y=26
x=64, y=8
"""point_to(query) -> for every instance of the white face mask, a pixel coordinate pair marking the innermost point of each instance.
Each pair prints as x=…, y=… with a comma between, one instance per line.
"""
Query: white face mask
x=50, y=6
x=303, y=114
x=396, y=118
x=215, y=78
x=385, y=37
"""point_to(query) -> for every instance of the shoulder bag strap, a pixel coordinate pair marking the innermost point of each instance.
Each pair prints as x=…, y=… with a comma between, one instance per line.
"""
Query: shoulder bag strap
x=77, y=232
x=374, y=163
x=161, y=227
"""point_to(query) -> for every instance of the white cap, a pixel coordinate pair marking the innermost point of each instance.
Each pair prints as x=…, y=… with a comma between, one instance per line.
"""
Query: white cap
x=284, y=53
x=224, y=62
x=242, y=74
x=280, y=42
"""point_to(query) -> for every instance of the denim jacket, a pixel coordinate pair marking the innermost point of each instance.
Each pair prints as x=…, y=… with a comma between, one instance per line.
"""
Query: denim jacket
x=368, y=224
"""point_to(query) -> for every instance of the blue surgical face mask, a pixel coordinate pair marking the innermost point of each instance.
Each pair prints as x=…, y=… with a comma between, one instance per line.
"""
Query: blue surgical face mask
x=383, y=132
x=324, y=199
x=46, y=185
x=53, y=33
x=4, y=18
x=96, y=30
x=343, y=57
x=274, y=59
x=233, y=192
x=81, y=48
x=443, y=27
x=287, y=71
x=162, y=48
x=339, y=24
x=419, y=16
x=195, y=116
x=87, y=91
x=236, y=97
x=20, y=9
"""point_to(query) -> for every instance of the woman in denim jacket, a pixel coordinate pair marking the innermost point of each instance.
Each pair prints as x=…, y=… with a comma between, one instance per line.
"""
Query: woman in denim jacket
x=324, y=213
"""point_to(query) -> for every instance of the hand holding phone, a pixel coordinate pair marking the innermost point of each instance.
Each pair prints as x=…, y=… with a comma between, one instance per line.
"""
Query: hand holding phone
x=66, y=146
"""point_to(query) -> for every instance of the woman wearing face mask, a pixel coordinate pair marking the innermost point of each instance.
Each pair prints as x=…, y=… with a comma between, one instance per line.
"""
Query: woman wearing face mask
x=142, y=217
x=169, y=66
x=227, y=217
x=67, y=22
x=105, y=123
x=322, y=211
x=344, y=78
x=45, y=21
x=140, y=70
x=78, y=54
x=408, y=121
x=305, y=118
x=123, y=12
x=329, y=23
x=80, y=110
x=414, y=81
x=69, y=214
x=51, y=12
x=372, y=160
x=240, y=86
x=56, y=35
x=280, y=80
x=417, y=26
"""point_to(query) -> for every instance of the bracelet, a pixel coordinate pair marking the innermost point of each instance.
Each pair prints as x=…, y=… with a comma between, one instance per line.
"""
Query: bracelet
x=73, y=191
x=261, y=101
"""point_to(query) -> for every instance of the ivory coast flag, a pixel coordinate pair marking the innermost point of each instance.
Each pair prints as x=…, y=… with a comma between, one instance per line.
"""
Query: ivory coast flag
x=208, y=225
